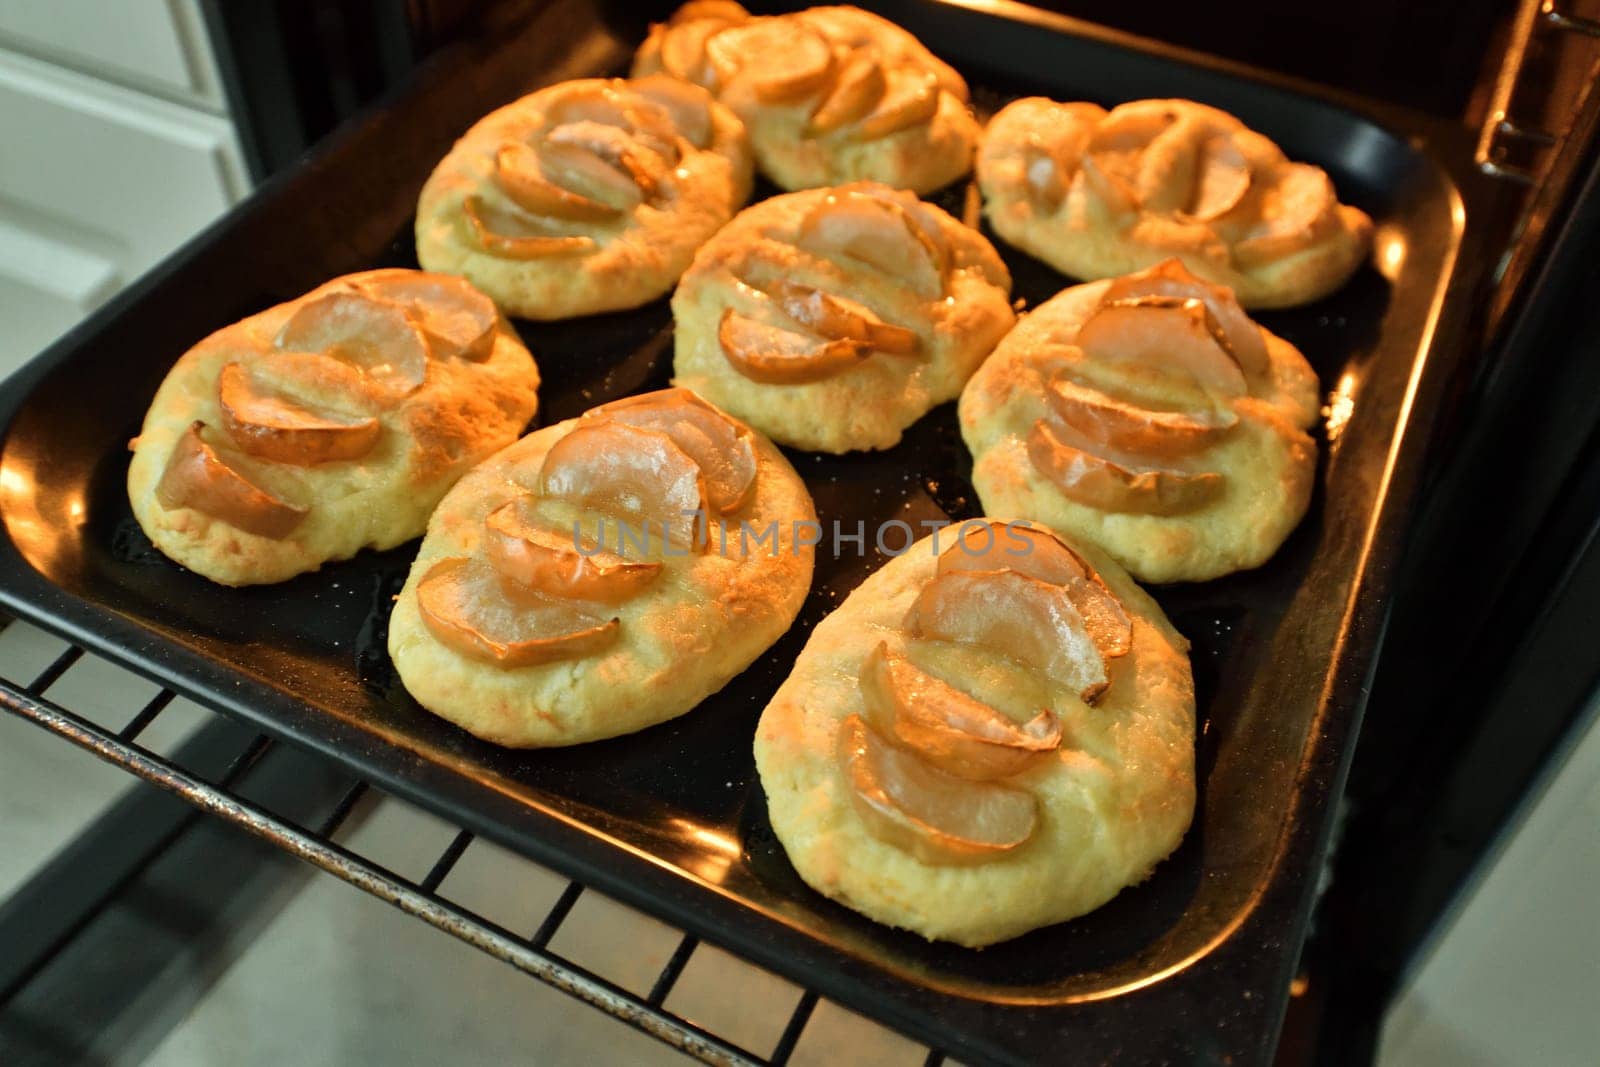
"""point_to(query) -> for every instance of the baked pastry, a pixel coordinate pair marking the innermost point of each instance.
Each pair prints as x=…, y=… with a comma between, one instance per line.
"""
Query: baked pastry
x=1096, y=194
x=832, y=319
x=993, y=733
x=604, y=574
x=1151, y=416
x=327, y=424
x=587, y=196
x=829, y=94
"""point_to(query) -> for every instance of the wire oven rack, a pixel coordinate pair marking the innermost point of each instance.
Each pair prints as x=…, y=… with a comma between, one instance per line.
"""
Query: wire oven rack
x=209, y=774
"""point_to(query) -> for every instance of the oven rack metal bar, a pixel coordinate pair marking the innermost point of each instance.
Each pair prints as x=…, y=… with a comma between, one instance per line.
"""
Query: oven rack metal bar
x=216, y=795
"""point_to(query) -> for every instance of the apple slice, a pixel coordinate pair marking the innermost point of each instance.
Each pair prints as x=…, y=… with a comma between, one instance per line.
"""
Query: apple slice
x=1043, y=176
x=861, y=84
x=383, y=340
x=878, y=233
x=775, y=356
x=1111, y=190
x=1170, y=334
x=783, y=60
x=841, y=318
x=1013, y=615
x=638, y=475
x=684, y=52
x=1222, y=177
x=1168, y=168
x=683, y=43
x=457, y=319
x=723, y=449
x=688, y=104
x=201, y=477
x=1054, y=150
x=500, y=233
x=615, y=104
x=1100, y=483
x=519, y=171
x=265, y=423
x=1300, y=208
x=791, y=61
x=984, y=545
x=464, y=605
x=940, y=819
x=1103, y=420
x=329, y=382
x=1037, y=553
x=946, y=727
x=911, y=98
x=597, y=162
x=1170, y=278
x=532, y=558
x=1118, y=144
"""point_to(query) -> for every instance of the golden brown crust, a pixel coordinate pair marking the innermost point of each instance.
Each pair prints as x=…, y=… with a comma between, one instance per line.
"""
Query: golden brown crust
x=463, y=411
x=698, y=623
x=1115, y=799
x=870, y=404
x=635, y=257
x=1041, y=197
x=913, y=130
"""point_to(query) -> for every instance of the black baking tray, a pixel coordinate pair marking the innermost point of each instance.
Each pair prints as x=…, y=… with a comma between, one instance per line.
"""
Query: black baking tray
x=1191, y=966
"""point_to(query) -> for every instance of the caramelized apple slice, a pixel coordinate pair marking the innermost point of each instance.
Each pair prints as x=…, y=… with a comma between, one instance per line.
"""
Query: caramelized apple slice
x=329, y=382
x=1037, y=553
x=519, y=171
x=641, y=118
x=1043, y=176
x=457, y=319
x=1054, y=153
x=946, y=727
x=1170, y=278
x=382, y=339
x=1119, y=142
x=981, y=545
x=265, y=423
x=464, y=605
x=723, y=449
x=596, y=162
x=502, y=234
x=1111, y=190
x=1222, y=177
x=1298, y=210
x=791, y=62
x=877, y=233
x=1167, y=168
x=1175, y=335
x=783, y=61
x=911, y=98
x=859, y=87
x=1102, y=420
x=777, y=356
x=688, y=104
x=841, y=318
x=199, y=476
x=940, y=819
x=684, y=52
x=1013, y=615
x=1100, y=483
x=639, y=475
x=532, y=558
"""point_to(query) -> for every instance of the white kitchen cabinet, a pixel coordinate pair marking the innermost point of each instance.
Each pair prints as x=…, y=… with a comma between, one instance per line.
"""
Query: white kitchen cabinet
x=99, y=179
x=155, y=46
